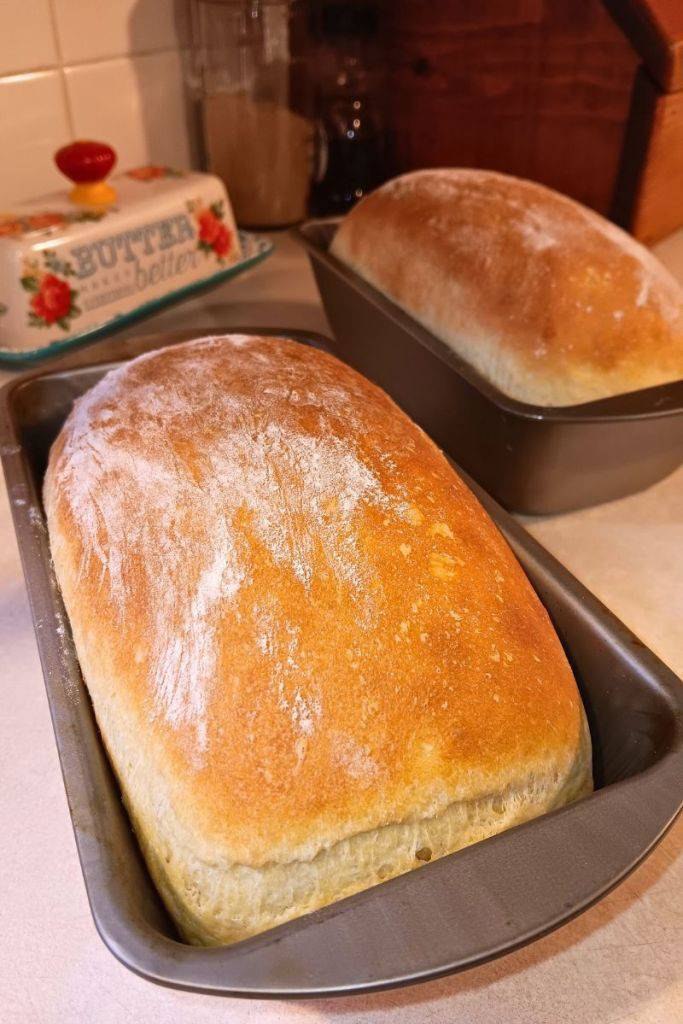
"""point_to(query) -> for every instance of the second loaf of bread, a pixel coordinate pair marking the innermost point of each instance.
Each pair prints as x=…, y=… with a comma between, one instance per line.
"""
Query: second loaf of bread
x=550, y=302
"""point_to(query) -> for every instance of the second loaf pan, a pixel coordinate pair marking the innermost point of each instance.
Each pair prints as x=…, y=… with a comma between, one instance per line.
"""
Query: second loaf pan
x=531, y=458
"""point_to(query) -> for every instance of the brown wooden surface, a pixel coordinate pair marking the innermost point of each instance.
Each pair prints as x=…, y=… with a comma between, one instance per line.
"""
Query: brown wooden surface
x=635, y=147
x=658, y=205
x=538, y=88
x=655, y=28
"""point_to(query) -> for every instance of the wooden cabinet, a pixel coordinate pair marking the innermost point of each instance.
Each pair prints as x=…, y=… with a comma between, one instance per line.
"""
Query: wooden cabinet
x=553, y=90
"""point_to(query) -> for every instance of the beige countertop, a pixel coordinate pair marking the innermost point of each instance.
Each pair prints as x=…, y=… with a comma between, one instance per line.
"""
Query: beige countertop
x=619, y=963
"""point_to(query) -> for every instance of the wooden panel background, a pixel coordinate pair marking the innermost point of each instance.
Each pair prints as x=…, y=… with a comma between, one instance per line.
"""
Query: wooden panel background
x=655, y=28
x=658, y=208
x=537, y=88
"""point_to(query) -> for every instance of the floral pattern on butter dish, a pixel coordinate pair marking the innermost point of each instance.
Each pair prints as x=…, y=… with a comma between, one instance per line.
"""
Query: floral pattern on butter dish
x=214, y=235
x=12, y=226
x=45, y=222
x=53, y=300
x=152, y=172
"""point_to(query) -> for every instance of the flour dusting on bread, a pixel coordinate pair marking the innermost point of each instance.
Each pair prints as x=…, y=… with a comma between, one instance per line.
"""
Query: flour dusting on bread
x=191, y=506
x=540, y=226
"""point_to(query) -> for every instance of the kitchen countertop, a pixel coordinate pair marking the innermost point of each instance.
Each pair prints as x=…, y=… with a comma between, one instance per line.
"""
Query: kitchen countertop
x=619, y=963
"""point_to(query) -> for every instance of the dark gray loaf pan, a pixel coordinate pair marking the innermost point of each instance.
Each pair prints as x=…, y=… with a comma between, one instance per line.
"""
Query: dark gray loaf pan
x=530, y=458
x=451, y=914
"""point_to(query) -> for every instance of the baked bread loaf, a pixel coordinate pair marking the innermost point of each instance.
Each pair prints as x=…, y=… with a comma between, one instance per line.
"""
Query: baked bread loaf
x=550, y=302
x=314, y=661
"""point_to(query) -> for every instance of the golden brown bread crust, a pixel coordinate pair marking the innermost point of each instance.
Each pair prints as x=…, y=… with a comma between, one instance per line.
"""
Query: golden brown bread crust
x=550, y=302
x=307, y=646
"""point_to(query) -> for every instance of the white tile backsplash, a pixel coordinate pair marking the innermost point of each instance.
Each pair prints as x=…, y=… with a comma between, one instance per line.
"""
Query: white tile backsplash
x=34, y=124
x=89, y=30
x=134, y=103
x=26, y=36
x=117, y=77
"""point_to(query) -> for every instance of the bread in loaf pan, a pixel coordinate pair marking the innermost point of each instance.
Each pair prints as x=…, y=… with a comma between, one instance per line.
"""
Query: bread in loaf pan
x=314, y=661
x=547, y=300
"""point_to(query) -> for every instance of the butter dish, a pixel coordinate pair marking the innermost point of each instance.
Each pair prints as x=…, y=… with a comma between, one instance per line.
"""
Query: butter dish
x=79, y=265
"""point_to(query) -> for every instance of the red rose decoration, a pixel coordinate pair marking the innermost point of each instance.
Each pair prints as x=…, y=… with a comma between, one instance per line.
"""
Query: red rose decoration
x=221, y=242
x=53, y=300
x=213, y=235
x=209, y=227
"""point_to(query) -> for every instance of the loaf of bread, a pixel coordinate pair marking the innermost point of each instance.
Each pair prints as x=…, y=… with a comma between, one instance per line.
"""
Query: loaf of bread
x=548, y=301
x=314, y=661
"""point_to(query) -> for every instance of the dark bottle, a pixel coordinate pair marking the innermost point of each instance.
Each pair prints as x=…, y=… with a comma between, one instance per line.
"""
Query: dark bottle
x=349, y=106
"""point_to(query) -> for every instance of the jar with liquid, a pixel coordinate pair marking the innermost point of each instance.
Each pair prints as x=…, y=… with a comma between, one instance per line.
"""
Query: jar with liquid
x=257, y=137
x=349, y=99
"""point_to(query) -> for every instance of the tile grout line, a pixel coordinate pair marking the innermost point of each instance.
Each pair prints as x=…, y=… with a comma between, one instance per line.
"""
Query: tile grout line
x=45, y=68
x=61, y=67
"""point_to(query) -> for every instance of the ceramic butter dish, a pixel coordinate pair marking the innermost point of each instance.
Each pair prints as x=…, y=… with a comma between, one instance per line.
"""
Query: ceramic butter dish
x=76, y=265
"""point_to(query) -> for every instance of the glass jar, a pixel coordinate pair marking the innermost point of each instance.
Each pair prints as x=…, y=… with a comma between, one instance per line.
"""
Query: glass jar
x=246, y=77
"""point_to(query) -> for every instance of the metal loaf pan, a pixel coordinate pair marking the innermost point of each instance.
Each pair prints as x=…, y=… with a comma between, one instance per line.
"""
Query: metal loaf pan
x=531, y=458
x=449, y=915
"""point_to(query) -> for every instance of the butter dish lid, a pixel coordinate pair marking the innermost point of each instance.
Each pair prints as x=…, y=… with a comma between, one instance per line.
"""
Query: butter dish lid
x=137, y=195
x=74, y=265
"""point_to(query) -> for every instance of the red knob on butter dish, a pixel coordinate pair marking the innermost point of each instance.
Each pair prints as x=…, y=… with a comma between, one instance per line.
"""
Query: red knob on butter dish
x=87, y=164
